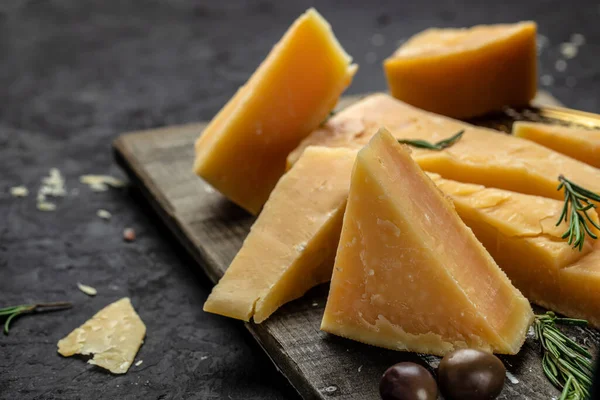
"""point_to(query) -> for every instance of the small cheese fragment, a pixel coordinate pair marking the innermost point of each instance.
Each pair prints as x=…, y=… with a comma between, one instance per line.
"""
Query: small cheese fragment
x=481, y=156
x=114, y=336
x=292, y=244
x=581, y=144
x=463, y=73
x=409, y=275
x=242, y=151
x=520, y=233
x=90, y=291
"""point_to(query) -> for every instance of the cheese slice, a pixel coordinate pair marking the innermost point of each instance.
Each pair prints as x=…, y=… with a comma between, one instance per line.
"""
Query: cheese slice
x=292, y=244
x=242, y=151
x=114, y=336
x=581, y=144
x=520, y=233
x=462, y=73
x=409, y=275
x=482, y=156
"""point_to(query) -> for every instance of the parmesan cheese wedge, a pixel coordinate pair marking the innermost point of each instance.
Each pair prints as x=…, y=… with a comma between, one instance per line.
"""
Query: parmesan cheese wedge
x=462, y=73
x=292, y=244
x=113, y=336
x=408, y=274
x=519, y=232
x=242, y=151
x=581, y=144
x=482, y=156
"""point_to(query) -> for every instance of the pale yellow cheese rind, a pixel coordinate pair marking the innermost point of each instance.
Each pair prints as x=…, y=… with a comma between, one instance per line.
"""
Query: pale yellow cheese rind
x=466, y=72
x=292, y=244
x=113, y=336
x=581, y=144
x=482, y=156
x=408, y=274
x=519, y=232
x=242, y=152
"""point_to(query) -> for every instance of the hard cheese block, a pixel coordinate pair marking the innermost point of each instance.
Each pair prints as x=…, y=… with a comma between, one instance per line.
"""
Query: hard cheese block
x=462, y=73
x=581, y=144
x=242, y=151
x=114, y=336
x=409, y=275
x=482, y=156
x=520, y=233
x=292, y=244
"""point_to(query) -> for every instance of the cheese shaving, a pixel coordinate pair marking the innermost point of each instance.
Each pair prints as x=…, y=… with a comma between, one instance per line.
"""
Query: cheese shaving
x=100, y=183
x=52, y=185
x=103, y=214
x=90, y=291
x=113, y=336
x=19, y=191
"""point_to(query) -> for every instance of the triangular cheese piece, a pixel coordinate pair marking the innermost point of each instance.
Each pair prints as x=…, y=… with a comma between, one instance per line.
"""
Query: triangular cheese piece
x=579, y=143
x=242, y=151
x=409, y=275
x=292, y=244
x=114, y=336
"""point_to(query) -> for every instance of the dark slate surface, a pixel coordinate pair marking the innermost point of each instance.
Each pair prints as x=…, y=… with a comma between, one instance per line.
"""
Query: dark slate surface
x=74, y=74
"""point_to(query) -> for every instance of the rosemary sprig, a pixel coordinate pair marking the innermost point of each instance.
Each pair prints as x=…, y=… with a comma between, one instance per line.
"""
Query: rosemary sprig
x=11, y=313
x=566, y=364
x=441, y=145
x=578, y=201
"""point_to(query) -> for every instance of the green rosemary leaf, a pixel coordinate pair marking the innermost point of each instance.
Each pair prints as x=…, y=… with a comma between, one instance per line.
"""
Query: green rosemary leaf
x=441, y=145
x=13, y=312
x=578, y=201
x=566, y=364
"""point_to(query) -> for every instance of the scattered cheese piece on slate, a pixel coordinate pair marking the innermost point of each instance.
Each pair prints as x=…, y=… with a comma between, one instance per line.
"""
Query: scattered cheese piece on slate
x=242, y=151
x=104, y=214
x=482, y=156
x=100, y=183
x=19, y=191
x=409, y=275
x=114, y=336
x=520, y=233
x=462, y=73
x=292, y=244
x=90, y=291
x=581, y=144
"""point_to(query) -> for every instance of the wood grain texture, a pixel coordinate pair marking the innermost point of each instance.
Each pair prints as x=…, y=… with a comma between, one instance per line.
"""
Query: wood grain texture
x=320, y=366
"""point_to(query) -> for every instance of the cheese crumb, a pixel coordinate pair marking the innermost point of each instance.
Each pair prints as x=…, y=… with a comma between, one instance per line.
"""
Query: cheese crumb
x=90, y=291
x=19, y=191
x=137, y=364
x=52, y=185
x=578, y=39
x=103, y=214
x=113, y=336
x=568, y=50
x=100, y=183
x=46, y=206
x=513, y=379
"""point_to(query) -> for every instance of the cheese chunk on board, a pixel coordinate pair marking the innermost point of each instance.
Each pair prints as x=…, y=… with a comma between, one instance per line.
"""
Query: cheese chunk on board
x=520, y=233
x=242, y=151
x=578, y=143
x=292, y=244
x=409, y=275
x=113, y=336
x=463, y=73
x=481, y=156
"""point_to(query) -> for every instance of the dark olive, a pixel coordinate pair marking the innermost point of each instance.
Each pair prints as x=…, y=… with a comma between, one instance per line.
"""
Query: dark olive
x=469, y=374
x=407, y=381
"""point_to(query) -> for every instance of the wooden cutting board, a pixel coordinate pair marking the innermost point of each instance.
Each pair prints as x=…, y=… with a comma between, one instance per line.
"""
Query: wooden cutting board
x=320, y=366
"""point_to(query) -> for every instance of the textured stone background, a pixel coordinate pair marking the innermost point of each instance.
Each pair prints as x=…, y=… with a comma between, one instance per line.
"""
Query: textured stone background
x=74, y=74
